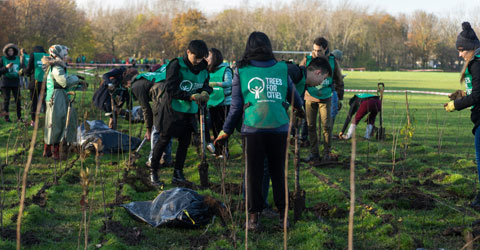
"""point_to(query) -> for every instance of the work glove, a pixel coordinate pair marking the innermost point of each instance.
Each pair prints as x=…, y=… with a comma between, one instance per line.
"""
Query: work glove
x=201, y=98
x=221, y=138
x=213, y=84
x=450, y=106
x=299, y=113
x=340, y=104
x=458, y=94
x=20, y=72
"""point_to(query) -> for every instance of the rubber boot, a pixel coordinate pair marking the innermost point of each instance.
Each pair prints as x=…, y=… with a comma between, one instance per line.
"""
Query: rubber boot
x=350, y=131
x=178, y=176
x=47, y=150
x=56, y=152
x=154, y=178
x=368, y=131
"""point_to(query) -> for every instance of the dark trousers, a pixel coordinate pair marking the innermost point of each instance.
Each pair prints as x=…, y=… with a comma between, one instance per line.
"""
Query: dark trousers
x=7, y=92
x=34, y=94
x=217, y=119
x=258, y=147
x=161, y=145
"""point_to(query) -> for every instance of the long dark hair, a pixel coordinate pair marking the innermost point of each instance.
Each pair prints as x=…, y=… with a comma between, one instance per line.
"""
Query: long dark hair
x=258, y=48
x=217, y=59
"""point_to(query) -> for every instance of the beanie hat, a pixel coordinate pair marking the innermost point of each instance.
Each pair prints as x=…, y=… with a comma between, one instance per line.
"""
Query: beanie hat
x=467, y=39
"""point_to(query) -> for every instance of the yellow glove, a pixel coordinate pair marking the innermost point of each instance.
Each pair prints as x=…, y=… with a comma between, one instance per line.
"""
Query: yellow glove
x=222, y=136
x=450, y=106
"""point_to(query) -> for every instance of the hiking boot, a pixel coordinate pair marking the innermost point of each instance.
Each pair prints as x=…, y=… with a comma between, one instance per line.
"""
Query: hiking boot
x=154, y=178
x=476, y=203
x=47, y=150
x=211, y=148
x=253, y=221
x=178, y=176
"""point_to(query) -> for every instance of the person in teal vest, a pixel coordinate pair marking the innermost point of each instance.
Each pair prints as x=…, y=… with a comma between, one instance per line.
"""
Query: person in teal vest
x=361, y=104
x=147, y=87
x=318, y=100
x=468, y=46
x=35, y=71
x=58, y=84
x=10, y=80
x=219, y=103
x=260, y=90
x=186, y=86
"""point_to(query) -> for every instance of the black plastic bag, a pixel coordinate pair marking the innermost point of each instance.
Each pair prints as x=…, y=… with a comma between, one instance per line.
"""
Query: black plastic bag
x=177, y=207
x=112, y=140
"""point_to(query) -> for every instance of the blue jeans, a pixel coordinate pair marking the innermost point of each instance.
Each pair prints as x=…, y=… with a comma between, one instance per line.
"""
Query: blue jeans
x=334, y=104
x=477, y=150
x=167, y=156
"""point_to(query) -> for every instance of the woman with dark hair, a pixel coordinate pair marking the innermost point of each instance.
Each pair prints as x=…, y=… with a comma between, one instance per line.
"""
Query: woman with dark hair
x=260, y=89
x=468, y=48
x=34, y=68
x=221, y=97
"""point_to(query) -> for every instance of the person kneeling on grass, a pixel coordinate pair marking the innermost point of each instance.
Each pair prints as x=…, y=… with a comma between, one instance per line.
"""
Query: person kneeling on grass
x=362, y=104
x=468, y=48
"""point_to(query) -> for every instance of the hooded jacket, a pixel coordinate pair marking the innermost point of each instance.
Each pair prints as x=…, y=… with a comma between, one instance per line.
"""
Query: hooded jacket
x=4, y=81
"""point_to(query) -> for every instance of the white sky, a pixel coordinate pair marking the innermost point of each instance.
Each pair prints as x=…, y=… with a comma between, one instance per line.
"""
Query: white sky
x=439, y=7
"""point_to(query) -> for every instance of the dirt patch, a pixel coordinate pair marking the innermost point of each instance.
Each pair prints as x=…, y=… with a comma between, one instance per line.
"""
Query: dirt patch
x=439, y=177
x=323, y=209
x=230, y=188
x=199, y=242
x=28, y=238
x=405, y=198
x=425, y=173
x=131, y=236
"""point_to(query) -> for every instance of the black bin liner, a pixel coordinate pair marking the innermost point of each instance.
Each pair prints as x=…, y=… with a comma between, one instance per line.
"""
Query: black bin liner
x=177, y=207
x=112, y=140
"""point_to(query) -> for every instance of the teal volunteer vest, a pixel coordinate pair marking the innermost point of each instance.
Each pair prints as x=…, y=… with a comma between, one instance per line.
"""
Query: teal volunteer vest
x=13, y=71
x=37, y=63
x=324, y=90
x=189, y=83
x=264, y=91
x=217, y=96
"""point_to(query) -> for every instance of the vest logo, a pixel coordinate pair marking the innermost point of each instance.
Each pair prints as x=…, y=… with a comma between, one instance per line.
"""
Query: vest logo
x=256, y=85
x=186, y=85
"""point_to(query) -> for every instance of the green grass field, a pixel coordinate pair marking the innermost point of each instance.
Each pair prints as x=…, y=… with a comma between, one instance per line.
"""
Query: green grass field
x=412, y=192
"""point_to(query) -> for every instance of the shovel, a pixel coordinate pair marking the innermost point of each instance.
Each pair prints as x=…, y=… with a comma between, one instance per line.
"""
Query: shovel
x=135, y=155
x=381, y=131
x=63, y=141
x=299, y=195
x=203, y=167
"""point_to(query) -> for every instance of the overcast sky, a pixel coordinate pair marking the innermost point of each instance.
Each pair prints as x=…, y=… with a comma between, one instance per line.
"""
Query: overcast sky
x=439, y=7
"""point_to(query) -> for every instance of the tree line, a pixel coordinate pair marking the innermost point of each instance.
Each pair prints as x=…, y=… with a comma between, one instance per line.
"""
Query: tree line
x=158, y=29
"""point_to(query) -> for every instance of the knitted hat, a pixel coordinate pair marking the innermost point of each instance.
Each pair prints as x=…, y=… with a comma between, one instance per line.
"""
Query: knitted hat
x=467, y=39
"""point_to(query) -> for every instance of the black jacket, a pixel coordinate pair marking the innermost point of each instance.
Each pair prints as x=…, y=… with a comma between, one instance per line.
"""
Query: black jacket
x=474, y=97
x=4, y=81
x=172, y=122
